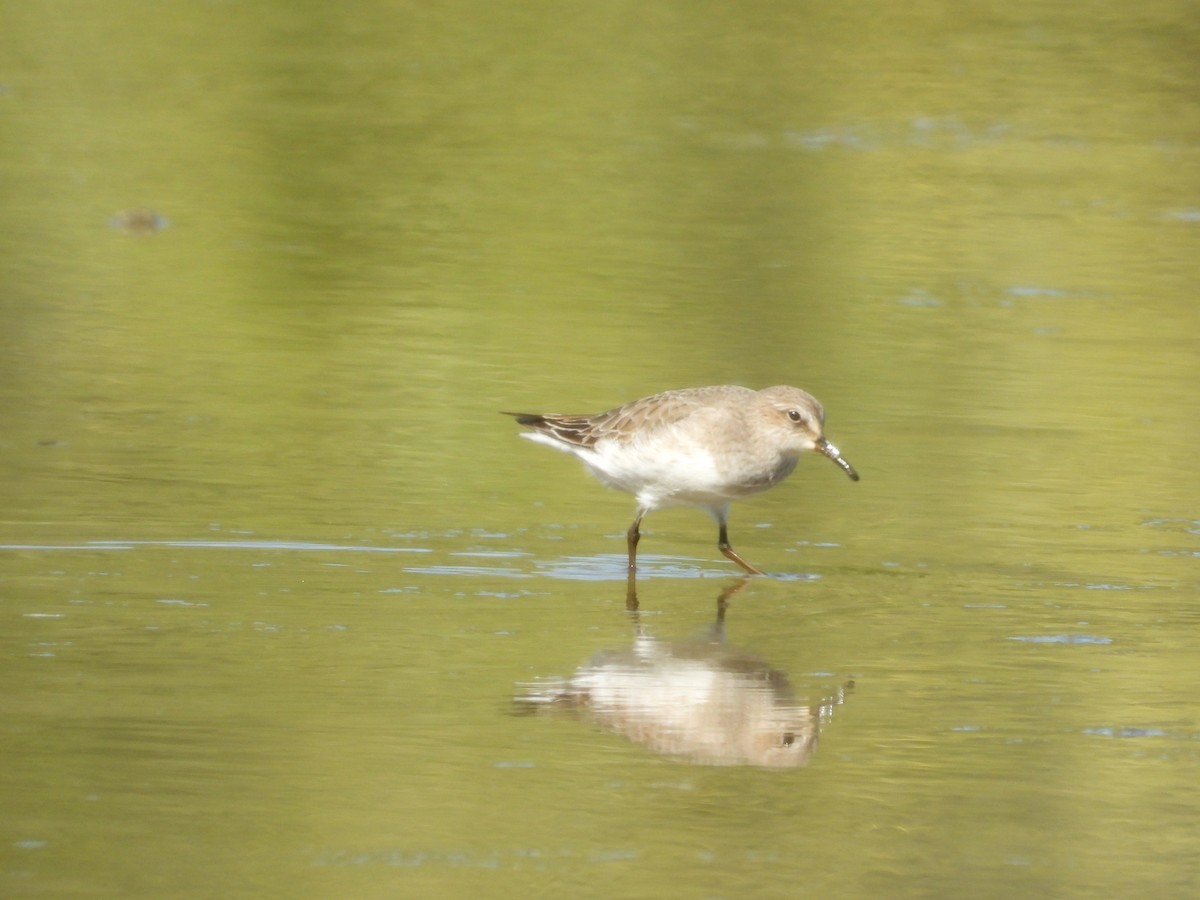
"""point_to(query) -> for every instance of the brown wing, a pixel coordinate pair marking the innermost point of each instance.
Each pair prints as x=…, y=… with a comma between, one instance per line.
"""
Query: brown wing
x=638, y=417
x=569, y=429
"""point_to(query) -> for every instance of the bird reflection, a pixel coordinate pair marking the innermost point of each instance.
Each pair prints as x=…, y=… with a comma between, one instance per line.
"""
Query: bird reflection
x=701, y=701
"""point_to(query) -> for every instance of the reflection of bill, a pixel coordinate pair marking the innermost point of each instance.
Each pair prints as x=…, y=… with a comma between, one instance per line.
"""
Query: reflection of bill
x=701, y=701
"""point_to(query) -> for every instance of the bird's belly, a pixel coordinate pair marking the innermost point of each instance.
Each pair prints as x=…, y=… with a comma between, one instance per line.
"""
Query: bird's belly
x=659, y=478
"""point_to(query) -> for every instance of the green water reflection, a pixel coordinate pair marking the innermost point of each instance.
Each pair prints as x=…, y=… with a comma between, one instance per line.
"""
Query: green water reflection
x=272, y=568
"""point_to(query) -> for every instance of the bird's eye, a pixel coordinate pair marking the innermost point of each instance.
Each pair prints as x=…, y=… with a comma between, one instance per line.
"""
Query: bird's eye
x=788, y=739
x=795, y=415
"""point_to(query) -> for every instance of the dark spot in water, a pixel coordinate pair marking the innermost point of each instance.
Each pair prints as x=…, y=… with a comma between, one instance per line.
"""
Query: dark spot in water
x=139, y=221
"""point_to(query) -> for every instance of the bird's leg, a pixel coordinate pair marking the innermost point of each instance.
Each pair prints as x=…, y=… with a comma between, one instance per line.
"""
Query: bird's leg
x=632, y=536
x=724, y=546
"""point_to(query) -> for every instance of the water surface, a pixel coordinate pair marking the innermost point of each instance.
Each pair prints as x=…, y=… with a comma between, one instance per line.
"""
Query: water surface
x=275, y=576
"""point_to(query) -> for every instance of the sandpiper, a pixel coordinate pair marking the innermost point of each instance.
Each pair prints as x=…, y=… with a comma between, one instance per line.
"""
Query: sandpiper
x=699, y=446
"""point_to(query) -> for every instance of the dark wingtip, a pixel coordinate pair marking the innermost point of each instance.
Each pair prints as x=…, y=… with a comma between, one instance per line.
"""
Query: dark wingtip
x=524, y=418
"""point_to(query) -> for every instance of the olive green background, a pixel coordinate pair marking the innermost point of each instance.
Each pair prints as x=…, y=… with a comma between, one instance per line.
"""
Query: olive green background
x=272, y=566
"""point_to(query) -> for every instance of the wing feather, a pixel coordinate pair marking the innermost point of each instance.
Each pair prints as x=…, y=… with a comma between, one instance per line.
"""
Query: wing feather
x=641, y=417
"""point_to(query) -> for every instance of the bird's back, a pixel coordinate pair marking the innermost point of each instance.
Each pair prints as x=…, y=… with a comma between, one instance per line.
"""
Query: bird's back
x=643, y=419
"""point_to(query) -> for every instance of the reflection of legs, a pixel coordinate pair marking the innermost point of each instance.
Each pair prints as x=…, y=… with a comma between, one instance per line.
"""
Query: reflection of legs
x=718, y=626
x=631, y=600
x=723, y=597
x=724, y=547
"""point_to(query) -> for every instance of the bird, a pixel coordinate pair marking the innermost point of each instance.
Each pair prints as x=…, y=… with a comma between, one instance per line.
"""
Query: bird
x=701, y=446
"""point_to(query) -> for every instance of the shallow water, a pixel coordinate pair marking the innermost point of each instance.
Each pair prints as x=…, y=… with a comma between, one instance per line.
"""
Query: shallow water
x=286, y=608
